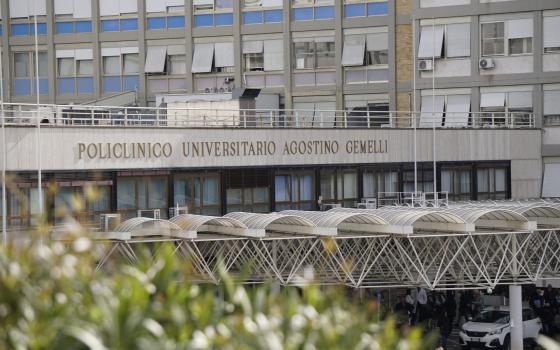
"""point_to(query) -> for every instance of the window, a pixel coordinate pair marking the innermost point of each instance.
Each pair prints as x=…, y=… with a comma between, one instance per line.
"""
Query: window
x=65, y=67
x=262, y=11
x=365, y=57
x=309, y=10
x=552, y=108
x=248, y=190
x=254, y=62
x=166, y=14
x=199, y=192
x=450, y=111
x=376, y=181
x=83, y=202
x=513, y=37
x=425, y=179
x=141, y=193
x=294, y=190
x=177, y=64
x=363, y=8
x=493, y=39
x=119, y=25
x=339, y=186
x=112, y=65
x=501, y=109
x=74, y=71
x=314, y=54
x=22, y=205
x=210, y=13
x=24, y=73
x=492, y=183
x=27, y=29
x=73, y=27
x=120, y=69
x=362, y=114
x=551, y=39
x=444, y=41
x=457, y=182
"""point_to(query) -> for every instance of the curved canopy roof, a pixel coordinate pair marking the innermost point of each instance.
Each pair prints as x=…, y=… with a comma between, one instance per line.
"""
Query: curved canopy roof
x=201, y=223
x=280, y=223
x=143, y=227
x=350, y=221
x=419, y=219
x=493, y=217
x=545, y=214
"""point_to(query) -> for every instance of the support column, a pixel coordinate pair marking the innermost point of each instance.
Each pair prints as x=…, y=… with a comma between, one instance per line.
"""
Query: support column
x=516, y=319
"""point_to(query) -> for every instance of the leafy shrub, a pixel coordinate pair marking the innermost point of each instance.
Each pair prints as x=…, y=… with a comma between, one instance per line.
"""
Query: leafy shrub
x=51, y=297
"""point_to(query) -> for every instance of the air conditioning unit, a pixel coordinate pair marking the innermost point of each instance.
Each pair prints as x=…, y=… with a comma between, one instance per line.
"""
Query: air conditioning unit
x=207, y=90
x=176, y=211
x=228, y=80
x=151, y=213
x=109, y=222
x=425, y=65
x=486, y=63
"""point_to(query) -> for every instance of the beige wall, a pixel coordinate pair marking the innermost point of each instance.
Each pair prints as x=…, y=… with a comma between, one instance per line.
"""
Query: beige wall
x=60, y=149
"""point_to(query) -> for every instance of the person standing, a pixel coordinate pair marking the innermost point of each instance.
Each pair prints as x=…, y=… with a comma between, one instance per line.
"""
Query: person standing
x=422, y=305
x=410, y=307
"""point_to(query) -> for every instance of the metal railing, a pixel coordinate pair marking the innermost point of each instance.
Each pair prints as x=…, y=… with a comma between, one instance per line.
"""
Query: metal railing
x=413, y=199
x=115, y=116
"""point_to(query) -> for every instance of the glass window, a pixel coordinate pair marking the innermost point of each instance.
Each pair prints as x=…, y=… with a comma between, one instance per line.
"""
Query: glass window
x=85, y=67
x=21, y=61
x=177, y=64
x=224, y=4
x=304, y=55
x=157, y=193
x=112, y=65
x=130, y=63
x=126, y=194
x=493, y=39
x=282, y=188
x=520, y=46
x=156, y=23
x=175, y=22
x=43, y=64
x=378, y=57
x=325, y=54
x=66, y=67
x=254, y=62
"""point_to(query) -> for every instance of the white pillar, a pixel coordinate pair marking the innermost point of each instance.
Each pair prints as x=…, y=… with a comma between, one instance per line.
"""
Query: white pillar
x=516, y=319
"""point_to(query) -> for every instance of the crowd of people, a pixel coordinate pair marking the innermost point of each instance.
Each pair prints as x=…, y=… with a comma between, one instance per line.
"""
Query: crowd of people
x=442, y=311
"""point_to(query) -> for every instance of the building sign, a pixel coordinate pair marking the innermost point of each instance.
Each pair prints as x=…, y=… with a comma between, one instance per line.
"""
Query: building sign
x=219, y=149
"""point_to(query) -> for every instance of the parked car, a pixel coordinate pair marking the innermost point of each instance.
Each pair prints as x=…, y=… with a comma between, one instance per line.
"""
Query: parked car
x=491, y=328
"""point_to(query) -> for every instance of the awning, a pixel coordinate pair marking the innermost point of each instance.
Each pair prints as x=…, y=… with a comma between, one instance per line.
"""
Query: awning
x=64, y=7
x=202, y=58
x=223, y=56
x=552, y=102
x=203, y=2
x=271, y=3
x=155, y=59
x=493, y=99
x=253, y=47
x=156, y=6
x=551, y=30
x=431, y=42
x=354, y=51
x=520, y=28
x=551, y=184
x=109, y=8
x=273, y=55
x=377, y=41
x=432, y=113
x=522, y=99
x=458, y=40
x=457, y=111
x=84, y=54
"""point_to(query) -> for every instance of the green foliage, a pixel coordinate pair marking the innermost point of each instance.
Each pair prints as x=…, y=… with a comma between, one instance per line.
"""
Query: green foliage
x=51, y=297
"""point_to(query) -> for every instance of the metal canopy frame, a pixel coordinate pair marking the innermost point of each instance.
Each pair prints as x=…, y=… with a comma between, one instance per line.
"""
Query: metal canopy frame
x=435, y=259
